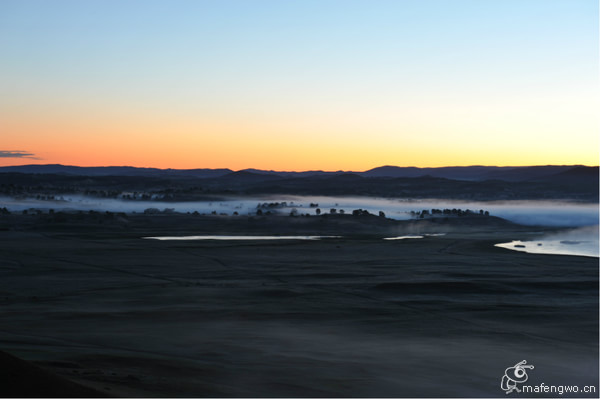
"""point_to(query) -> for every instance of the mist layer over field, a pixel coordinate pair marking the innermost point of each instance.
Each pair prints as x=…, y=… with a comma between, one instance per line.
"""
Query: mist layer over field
x=545, y=213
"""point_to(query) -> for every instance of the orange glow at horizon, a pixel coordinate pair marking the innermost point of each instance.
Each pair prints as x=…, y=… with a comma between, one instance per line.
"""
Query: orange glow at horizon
x=343, y=138
x=250, y=150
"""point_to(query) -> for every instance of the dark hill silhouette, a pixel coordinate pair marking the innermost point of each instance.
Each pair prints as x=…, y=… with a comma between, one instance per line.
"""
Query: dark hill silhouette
x=474, y=173
x=529, y=173
x=543, y=182
x=574, y=176
x=308, y=173
x=345, y=177
x=578, y=172
x=115, y=171
x=248, y=177
x=471, y=173
x=451, y=172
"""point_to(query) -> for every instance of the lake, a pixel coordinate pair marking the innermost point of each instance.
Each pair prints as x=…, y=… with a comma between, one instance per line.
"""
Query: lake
x=236, y=238
x=582, y=241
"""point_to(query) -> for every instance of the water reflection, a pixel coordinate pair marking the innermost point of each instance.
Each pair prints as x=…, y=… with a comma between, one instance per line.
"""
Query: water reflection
x=238, y=238
x=582, y=242
x=553, y=247
x=402, y=237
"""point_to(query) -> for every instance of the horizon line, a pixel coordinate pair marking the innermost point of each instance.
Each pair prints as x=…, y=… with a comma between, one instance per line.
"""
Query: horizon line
x=303, y=171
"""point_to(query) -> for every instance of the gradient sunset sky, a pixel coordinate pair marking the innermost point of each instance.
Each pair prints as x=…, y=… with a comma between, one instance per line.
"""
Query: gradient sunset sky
x=299, y=84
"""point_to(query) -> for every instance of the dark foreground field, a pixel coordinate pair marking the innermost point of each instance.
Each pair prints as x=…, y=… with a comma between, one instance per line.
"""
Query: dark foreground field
x=354, y=316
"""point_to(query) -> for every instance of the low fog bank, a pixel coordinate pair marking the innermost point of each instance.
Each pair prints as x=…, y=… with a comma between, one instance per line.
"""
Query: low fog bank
x=578, y=234
x=542, y=213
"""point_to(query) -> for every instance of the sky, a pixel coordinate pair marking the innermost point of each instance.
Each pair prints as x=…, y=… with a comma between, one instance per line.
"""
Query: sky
x=299, y=84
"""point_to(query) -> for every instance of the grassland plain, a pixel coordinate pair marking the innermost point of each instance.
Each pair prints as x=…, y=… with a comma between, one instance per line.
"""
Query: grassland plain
x=87, y=299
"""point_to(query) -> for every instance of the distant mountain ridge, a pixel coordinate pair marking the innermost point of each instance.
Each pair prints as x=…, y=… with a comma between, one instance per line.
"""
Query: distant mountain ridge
x=114, y=171
x=466, y=173
x=478, y=173
x=578, y=183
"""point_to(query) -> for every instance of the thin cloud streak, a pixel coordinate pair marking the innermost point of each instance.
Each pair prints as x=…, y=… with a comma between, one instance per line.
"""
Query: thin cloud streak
x=17, y=154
